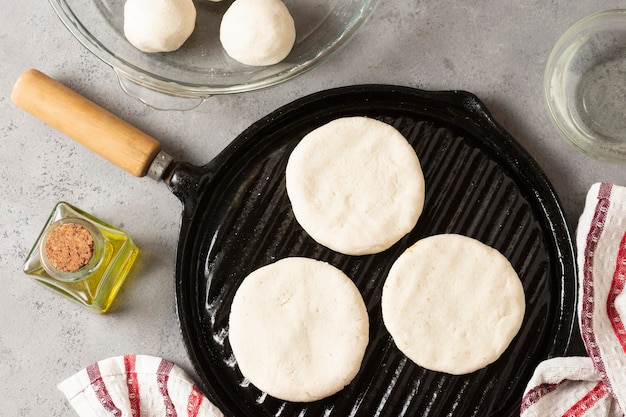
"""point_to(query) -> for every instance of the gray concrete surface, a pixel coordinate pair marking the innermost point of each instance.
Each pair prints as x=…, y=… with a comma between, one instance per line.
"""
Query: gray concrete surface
x=496, y=50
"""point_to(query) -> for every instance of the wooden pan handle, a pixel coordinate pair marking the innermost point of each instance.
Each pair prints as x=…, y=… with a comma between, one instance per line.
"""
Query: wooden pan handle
x=85, y=122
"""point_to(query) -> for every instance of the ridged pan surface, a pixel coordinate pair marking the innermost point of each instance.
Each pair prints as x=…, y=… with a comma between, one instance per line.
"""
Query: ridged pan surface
x=479, y=182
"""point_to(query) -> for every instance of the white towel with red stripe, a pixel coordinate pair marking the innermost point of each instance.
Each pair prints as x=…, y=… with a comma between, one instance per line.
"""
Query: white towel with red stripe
x=593, y=386
x=136, y=386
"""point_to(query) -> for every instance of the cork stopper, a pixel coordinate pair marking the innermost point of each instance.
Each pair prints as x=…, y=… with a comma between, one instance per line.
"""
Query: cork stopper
x=69, y=247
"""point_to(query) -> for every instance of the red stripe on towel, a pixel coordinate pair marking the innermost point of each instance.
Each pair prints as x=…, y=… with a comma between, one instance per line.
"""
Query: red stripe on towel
x=617, y=286
x=101, y=391
x=132, y=383
x=589, y=400
x=193, y=404
x=535, y=394
x=586, y=316
x=163, y=376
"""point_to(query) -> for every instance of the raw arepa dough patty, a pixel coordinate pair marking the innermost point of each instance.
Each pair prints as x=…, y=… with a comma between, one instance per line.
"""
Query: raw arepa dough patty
x=298, y=329
x=452, y=304
x=356, y=185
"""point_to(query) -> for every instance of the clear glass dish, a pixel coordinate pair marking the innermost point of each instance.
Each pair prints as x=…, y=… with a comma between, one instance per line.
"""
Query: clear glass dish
x=585, y=85
x=201, y=68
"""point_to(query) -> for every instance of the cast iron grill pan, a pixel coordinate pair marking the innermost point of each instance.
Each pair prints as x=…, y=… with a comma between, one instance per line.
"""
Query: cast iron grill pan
x=237, y=218
x=479, y=182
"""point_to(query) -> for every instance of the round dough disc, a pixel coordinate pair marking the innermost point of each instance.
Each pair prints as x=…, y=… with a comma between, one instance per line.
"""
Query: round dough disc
x=356, y=185
x=452, y=304
x=298, y=329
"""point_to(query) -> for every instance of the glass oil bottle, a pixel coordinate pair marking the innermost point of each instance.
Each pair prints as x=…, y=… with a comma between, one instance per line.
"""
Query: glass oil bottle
x=95, y=281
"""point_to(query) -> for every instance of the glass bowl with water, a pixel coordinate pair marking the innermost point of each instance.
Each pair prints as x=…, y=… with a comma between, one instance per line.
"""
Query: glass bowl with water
x=585, y=85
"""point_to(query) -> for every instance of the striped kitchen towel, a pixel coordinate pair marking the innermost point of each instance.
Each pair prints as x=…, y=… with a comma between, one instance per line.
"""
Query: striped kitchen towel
x=135, y=386
x=594, y=385
x=568, y=387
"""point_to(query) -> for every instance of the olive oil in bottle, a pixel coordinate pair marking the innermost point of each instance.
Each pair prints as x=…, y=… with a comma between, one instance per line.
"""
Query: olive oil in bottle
x=81, y=257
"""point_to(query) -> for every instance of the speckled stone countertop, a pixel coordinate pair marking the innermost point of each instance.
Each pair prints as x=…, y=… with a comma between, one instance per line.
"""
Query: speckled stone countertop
x=496, y=50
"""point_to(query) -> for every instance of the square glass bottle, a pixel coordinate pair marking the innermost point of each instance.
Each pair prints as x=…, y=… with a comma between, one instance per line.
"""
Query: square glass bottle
x=81, y=257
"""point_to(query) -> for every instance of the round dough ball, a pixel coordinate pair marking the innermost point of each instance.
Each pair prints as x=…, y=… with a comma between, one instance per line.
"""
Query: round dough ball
x=356, y=185
x=257, y=32
x=158, y=25
x=298, y=329
x=452, y=304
